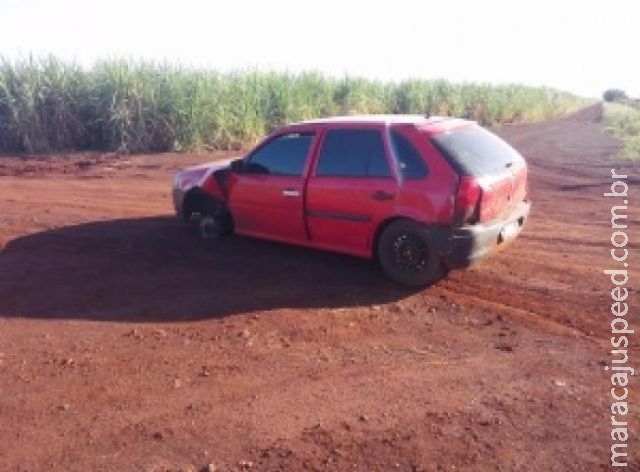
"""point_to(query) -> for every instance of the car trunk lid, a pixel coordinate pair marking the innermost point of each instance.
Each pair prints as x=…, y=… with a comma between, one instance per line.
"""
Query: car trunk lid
x=493, y=175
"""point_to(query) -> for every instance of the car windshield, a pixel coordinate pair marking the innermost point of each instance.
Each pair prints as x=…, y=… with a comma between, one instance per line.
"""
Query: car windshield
x=473, y=150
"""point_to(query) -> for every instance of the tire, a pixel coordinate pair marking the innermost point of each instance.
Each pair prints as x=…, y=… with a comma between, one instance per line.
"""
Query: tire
x=408, y=255
x=211, y=219
x=209, y=227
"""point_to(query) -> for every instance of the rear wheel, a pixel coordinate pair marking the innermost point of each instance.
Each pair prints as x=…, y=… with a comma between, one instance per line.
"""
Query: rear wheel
x=407, y=254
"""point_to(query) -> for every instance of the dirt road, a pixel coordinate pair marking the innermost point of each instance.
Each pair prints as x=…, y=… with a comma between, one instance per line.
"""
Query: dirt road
x=127, y=344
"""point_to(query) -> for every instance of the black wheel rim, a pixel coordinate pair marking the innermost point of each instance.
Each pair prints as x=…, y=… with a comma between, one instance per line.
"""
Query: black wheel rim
x=209, y=227
x=411, y=253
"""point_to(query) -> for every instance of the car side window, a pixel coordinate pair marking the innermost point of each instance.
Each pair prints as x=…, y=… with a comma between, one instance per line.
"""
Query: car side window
x=283, y=155
x=410, y=162
x=353, y=153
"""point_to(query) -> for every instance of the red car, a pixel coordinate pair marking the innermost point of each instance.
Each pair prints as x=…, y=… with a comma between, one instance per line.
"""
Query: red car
x=422, y=195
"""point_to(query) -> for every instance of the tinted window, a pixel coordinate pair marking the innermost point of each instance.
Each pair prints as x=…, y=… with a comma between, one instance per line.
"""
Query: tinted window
x=353, y=153
x=410, y=161
x=284, y=155
x=475, y=151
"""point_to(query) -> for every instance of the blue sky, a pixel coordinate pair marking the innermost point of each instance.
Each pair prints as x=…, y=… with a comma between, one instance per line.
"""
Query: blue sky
x=583, y=47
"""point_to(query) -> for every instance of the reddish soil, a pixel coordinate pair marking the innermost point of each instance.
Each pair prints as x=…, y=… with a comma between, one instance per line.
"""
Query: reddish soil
x=128, y=344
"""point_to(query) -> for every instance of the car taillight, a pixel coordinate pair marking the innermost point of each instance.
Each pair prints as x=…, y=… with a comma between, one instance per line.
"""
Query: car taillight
x=492, y=205
x=467, y=205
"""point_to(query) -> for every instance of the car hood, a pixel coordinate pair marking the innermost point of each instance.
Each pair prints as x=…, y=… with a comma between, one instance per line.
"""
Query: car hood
x=195, y=175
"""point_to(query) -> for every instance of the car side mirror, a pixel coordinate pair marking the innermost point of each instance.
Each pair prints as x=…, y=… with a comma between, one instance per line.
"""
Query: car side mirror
x=237, y=166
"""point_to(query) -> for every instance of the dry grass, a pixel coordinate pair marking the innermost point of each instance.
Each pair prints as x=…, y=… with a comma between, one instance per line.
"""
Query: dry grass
x=624, y=122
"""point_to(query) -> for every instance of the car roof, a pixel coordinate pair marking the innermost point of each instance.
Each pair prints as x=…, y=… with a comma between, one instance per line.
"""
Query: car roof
x=434, y=124
x=382, y=119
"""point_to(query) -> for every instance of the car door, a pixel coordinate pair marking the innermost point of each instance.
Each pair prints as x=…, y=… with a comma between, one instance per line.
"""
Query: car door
x=352, y=189
x=267, y=196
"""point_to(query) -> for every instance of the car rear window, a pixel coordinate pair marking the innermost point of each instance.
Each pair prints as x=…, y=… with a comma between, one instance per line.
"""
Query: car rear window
x=473, y=150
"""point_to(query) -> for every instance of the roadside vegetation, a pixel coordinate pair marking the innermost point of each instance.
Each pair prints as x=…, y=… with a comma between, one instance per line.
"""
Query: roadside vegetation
x=134, y=106
x=623, y=120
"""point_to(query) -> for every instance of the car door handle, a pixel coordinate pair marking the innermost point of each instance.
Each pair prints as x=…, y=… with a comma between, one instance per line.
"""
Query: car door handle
x=381, y=195
x=290, y=193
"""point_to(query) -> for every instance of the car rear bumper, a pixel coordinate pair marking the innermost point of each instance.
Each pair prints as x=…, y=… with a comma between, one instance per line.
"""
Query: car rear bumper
x=468, y=244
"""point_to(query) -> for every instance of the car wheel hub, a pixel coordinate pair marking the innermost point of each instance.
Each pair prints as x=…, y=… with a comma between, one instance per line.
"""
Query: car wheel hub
x=411, y=253
x=209, y=227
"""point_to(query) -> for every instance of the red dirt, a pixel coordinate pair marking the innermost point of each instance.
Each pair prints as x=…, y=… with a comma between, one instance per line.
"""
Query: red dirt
x=128, y=344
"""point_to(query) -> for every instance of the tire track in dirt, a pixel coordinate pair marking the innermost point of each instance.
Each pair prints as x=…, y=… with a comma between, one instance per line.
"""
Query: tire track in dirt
x=126, y=344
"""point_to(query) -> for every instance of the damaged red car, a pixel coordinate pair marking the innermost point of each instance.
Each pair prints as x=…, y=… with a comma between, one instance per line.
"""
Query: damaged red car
x=420, y=195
